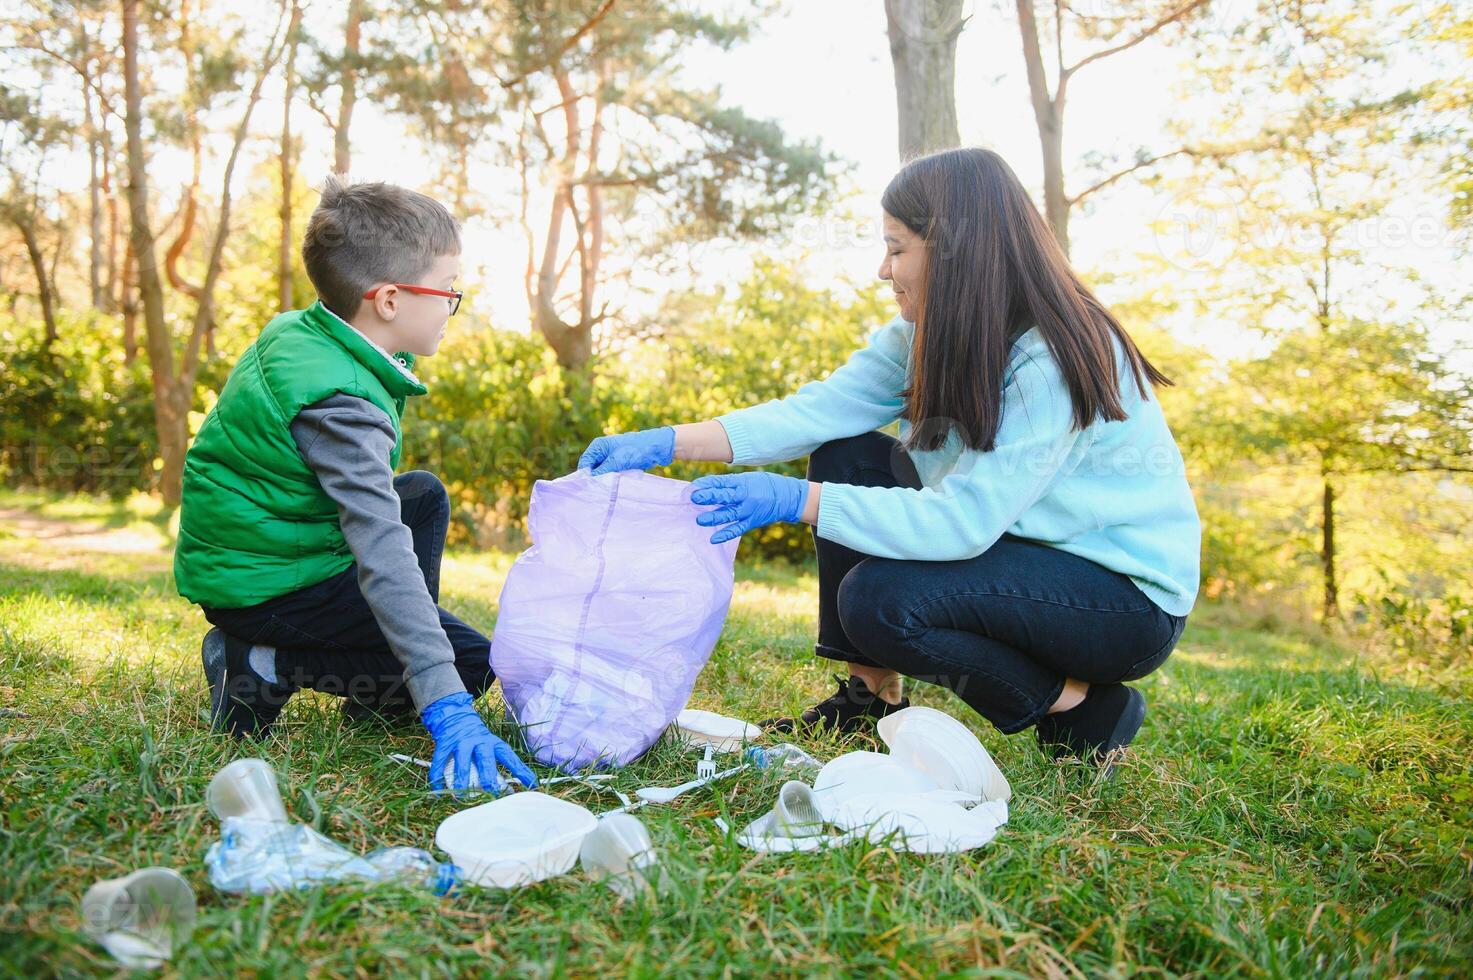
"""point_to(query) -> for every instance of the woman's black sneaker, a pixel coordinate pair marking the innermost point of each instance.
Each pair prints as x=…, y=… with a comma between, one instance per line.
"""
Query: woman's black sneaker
x=241, y=702
x=852, y=708
x=1107, y=719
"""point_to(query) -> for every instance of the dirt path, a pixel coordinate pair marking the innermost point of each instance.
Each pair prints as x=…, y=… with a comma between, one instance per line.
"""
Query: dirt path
x=81, y=535
x=33, y=540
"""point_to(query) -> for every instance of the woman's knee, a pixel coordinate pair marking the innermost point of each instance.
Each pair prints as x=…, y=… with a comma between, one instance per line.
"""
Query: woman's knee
x=834, y=460
x=872, y=609
x=1172, y=627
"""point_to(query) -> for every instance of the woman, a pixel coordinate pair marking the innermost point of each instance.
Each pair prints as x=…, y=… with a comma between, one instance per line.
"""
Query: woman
x=1030, y=541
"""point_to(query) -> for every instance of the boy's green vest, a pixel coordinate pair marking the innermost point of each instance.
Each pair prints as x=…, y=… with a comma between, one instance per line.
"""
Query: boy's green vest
x=255, y=523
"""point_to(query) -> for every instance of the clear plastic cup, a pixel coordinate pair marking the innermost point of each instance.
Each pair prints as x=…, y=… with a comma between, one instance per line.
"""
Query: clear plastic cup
x=247, y=789
x=796, y=811
x=142, y=918
x=619, y=853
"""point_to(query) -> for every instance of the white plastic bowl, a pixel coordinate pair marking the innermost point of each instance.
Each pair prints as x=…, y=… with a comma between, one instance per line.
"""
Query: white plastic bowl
x=723, y=734
x=516, y=840
x=945, y=749
x=863, y=773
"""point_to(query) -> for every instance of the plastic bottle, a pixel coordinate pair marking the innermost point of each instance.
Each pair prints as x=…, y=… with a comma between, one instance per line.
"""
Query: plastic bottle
x=258, y=857
x=260, y=850
x=786, y=757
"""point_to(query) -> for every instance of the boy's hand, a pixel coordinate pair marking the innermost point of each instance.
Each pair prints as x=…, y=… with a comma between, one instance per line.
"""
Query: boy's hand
x=629, y=451
x=460, y=734
x=748, y=500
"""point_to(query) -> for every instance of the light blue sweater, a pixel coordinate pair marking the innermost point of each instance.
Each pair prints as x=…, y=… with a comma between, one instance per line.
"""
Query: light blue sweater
x=1115, y=493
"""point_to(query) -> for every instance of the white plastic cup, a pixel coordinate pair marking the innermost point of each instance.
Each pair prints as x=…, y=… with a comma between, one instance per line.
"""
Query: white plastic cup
x=246, y=788
x=619, y=852
x=473, y=785
x=796, y=811
x=142, y=918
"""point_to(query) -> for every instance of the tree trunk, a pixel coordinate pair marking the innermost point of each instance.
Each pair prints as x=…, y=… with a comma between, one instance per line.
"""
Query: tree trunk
x=190, y=208
x=284, y=298
x=573, y=342
x=1048, y=113
x=1327, y=551
x=187, y=214
x=113, y=302
x=56, y=253
x=94, y=204
x=43, y=281
x=341, y=147
x=1055, y=202
x=923, y=37
x=173, y=394
x=591, y=234
x=128, y=303
x=170, y=422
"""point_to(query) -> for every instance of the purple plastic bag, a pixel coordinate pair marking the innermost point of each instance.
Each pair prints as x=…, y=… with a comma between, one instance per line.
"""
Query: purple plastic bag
x=610, y=615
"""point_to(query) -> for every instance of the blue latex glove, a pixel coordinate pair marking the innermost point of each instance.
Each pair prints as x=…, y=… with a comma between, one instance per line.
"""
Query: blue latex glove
x=748, y=501
x=460, y=734
x=629, y=451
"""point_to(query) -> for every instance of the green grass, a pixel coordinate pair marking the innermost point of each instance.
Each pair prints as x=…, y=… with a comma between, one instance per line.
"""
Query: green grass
x=1293, y=807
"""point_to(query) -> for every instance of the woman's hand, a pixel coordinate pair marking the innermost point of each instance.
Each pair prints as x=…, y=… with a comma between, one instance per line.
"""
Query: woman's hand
x=746, y=501
x=629, y=451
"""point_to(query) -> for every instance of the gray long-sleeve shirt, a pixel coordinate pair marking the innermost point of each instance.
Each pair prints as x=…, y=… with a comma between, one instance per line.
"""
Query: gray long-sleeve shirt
x=346, y=441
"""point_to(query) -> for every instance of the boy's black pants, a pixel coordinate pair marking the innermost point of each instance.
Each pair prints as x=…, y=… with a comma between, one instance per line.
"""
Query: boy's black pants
x=326, y=637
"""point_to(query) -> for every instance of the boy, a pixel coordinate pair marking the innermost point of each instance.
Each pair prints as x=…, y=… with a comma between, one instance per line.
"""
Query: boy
x=316, y=565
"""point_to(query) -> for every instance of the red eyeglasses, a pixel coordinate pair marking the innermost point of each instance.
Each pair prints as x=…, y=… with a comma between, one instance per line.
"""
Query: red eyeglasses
x=453, y=295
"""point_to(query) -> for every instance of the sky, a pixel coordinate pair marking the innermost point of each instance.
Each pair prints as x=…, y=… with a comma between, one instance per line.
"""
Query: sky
x=822, y=69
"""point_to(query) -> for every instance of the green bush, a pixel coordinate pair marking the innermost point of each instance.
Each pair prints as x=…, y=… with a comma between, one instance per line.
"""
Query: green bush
x=1435, y=627
x=501, y=414
x=74, y=418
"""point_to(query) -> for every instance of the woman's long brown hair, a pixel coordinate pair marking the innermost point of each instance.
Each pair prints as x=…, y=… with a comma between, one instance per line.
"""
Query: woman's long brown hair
x=993, y=269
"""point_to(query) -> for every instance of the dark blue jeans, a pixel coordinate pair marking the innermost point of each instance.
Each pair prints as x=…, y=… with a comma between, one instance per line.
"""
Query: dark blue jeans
x=326, y=637
x=1003, y=630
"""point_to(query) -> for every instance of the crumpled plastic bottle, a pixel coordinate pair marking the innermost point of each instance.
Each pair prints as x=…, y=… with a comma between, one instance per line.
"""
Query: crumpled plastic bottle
x=786, y=757
x=259, y=856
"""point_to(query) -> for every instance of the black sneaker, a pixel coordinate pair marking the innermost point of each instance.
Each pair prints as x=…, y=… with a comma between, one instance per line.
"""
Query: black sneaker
x=241, y=702
x=852, y=708
x=1106, y=720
